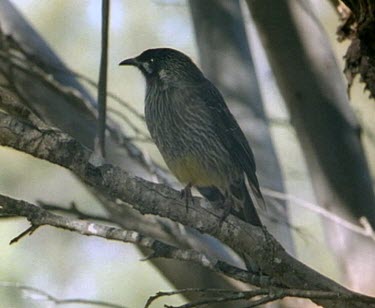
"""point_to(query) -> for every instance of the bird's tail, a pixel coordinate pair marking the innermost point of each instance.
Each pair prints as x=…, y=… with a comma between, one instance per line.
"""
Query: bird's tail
x=257, y=193
x=248, y=206
x=243, y=208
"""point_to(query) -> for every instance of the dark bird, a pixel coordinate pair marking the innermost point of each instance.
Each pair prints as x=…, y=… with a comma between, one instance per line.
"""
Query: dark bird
x=198, y=137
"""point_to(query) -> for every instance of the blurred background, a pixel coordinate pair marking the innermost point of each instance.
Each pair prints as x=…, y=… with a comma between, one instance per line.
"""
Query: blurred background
x=68, y=265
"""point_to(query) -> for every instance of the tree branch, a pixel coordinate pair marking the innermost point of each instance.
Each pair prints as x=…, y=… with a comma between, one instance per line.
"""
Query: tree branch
x=74, y=210
x=102, y=88
x=43, y=296
x=39, y=216
x=365, y=229
x=156, y=199
x=266, y=296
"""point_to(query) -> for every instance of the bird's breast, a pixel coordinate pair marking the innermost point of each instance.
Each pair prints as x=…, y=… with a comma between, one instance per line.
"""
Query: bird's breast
x=190, y=169
x=186, y=138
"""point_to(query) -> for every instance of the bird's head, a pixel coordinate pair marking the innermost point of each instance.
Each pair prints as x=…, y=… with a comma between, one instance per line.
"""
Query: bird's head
x=165, y=64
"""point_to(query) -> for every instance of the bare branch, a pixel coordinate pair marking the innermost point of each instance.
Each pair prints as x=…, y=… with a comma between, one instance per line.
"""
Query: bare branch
x=28, y=231
x=15, y=57
x=102, y=88
x=74, y=210
x=39, y=216
x=10, y=104
x=125, y=118
x=268, y=295
x=33, y=60
x=364, y=230
x=38, y=294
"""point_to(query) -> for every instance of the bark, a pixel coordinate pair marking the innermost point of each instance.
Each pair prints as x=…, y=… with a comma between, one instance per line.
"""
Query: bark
x=313, y=88
x=226, y=60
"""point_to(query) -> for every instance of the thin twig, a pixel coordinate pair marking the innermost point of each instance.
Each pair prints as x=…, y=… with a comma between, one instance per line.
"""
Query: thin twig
x=262, y=301
x=28, y=231
x=122, y=140
x=126, y=119
x=74, y=210
x=152, y=298
x=112, y=95
x=32, y=61
x=102, y=88
x=40, y=295
x=321, y=211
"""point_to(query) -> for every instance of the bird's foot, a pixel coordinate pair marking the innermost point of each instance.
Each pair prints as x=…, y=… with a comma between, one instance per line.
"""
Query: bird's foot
x=187, y=195
x=227, y=206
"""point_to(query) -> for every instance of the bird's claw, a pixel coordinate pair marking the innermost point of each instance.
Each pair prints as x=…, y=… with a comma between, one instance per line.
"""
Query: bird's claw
x=227, y=206
x=187, y=195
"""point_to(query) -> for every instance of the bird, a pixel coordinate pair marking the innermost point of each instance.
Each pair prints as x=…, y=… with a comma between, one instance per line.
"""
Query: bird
x=196, y=134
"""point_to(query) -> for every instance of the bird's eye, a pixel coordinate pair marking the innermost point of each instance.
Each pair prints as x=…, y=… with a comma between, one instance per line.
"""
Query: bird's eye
x=152, y=60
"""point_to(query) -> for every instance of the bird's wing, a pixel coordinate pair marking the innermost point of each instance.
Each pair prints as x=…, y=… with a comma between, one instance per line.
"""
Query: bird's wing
x=231, y=136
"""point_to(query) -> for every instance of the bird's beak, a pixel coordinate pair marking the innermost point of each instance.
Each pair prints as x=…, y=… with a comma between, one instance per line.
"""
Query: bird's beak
x=131, y=61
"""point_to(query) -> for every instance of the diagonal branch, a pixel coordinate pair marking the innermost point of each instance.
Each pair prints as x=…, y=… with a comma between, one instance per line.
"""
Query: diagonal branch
x=39, y=216
x=44, y=296
x=74, y=210
x=157, y=199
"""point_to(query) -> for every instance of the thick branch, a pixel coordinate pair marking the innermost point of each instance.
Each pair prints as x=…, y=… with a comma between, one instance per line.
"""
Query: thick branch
x=157, y=199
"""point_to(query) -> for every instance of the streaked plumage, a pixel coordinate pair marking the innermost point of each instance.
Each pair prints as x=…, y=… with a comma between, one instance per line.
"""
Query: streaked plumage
x=195, y=132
